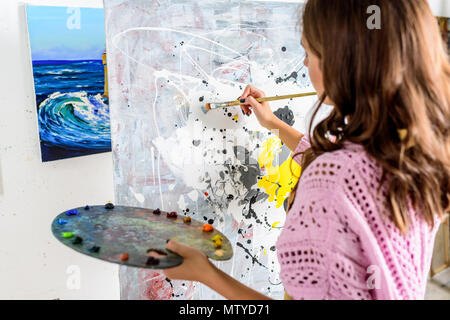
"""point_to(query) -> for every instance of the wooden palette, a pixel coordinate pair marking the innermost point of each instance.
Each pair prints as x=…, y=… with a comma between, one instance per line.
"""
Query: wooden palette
x=134, y=231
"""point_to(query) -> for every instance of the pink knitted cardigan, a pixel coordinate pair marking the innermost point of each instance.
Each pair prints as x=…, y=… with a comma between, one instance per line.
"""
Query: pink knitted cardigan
x=338, y=243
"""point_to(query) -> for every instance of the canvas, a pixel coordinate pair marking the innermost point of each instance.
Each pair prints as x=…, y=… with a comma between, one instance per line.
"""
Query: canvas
x=166, y=60
x=69, y=62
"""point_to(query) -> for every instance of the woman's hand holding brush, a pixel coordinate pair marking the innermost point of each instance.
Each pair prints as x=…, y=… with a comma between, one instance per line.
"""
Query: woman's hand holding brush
x=266, y=118
x=262, y=110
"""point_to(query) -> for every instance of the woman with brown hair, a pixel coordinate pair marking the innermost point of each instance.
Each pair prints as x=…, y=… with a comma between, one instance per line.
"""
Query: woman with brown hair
x=375, y=173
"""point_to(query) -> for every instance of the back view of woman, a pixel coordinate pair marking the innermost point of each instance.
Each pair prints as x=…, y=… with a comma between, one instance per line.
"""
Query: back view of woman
x=391, y=91
x=375, y=181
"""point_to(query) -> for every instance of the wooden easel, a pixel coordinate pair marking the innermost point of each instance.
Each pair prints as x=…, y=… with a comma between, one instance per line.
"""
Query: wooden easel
x=446, y=228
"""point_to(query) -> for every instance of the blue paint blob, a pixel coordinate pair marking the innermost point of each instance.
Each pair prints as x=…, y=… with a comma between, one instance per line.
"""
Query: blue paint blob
x=73, y=212
x=62, y=221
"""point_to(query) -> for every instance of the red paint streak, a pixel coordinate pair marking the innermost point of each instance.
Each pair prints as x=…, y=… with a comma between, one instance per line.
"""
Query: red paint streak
x=190, y=290
x=156, y=287
x=248, y=235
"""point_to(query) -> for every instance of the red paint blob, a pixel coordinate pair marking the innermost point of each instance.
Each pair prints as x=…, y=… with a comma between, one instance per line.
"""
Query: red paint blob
x=124, y=256
x=172, y=214
x=206, y=193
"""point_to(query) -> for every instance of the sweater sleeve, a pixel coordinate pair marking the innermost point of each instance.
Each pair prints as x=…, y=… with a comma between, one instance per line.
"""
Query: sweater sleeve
x=302, y=146
x=320, y=256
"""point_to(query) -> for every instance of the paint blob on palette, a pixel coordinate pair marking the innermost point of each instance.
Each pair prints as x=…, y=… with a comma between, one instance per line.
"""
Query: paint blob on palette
x=135, y=236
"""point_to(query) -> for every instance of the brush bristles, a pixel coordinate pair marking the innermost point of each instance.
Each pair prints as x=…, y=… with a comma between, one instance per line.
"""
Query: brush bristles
x=210, y=106
x=218, y=105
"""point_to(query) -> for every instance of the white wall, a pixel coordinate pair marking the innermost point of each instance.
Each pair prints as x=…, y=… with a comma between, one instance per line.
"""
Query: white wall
x=33, y=263
x=440, y=8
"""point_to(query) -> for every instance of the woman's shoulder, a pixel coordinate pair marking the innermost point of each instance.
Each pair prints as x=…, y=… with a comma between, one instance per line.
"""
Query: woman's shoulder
x=348, y=166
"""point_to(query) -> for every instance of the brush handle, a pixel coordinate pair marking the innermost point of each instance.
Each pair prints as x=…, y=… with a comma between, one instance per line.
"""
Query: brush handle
x=290, y=96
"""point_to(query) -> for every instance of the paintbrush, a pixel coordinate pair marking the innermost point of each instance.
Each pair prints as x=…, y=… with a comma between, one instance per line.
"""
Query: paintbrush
x=219, y=105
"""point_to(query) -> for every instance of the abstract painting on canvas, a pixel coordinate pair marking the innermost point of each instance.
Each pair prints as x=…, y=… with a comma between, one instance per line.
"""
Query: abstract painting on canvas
x=166, y=60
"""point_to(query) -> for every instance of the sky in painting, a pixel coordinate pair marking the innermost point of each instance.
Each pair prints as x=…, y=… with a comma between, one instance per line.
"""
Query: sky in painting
x=64, y=33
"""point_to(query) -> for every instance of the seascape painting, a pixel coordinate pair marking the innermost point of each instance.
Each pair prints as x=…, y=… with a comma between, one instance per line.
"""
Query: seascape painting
x=69, y=68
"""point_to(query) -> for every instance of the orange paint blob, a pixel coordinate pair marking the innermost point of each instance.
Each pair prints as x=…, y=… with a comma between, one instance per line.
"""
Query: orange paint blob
x=208, y=227
x=124, y=257
x=187, y=220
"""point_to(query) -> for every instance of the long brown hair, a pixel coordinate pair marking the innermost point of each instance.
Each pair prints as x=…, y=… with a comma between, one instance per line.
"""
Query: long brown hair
x=383, y=81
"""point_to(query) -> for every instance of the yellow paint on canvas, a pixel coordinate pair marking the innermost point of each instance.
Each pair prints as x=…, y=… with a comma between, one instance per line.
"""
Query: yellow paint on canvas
x=278, y=180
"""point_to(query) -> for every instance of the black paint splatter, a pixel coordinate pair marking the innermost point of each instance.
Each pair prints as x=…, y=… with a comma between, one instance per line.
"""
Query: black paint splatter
x=293, y=75
x=286, y=115
x=254, y=259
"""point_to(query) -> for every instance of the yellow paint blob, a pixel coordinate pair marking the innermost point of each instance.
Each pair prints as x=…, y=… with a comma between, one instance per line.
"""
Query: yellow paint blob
x=274, y=225
x=218, y=244
x=278, y=180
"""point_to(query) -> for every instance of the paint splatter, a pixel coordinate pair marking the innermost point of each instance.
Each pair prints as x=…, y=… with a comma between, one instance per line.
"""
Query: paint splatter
x=254, y=259
x=286, y=115
x=279, y=180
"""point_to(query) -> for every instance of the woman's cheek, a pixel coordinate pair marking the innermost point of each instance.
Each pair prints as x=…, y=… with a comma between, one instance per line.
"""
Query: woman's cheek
x=316, y=80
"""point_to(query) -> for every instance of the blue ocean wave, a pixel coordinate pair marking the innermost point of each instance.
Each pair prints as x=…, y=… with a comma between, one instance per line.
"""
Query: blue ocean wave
x=75, y=120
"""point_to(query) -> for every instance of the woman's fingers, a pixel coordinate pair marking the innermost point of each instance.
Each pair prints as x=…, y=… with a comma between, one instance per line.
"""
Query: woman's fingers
x=250, y=91
x=252, y=102
x=178, y=248
x=244, y=107
x=194, y=262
